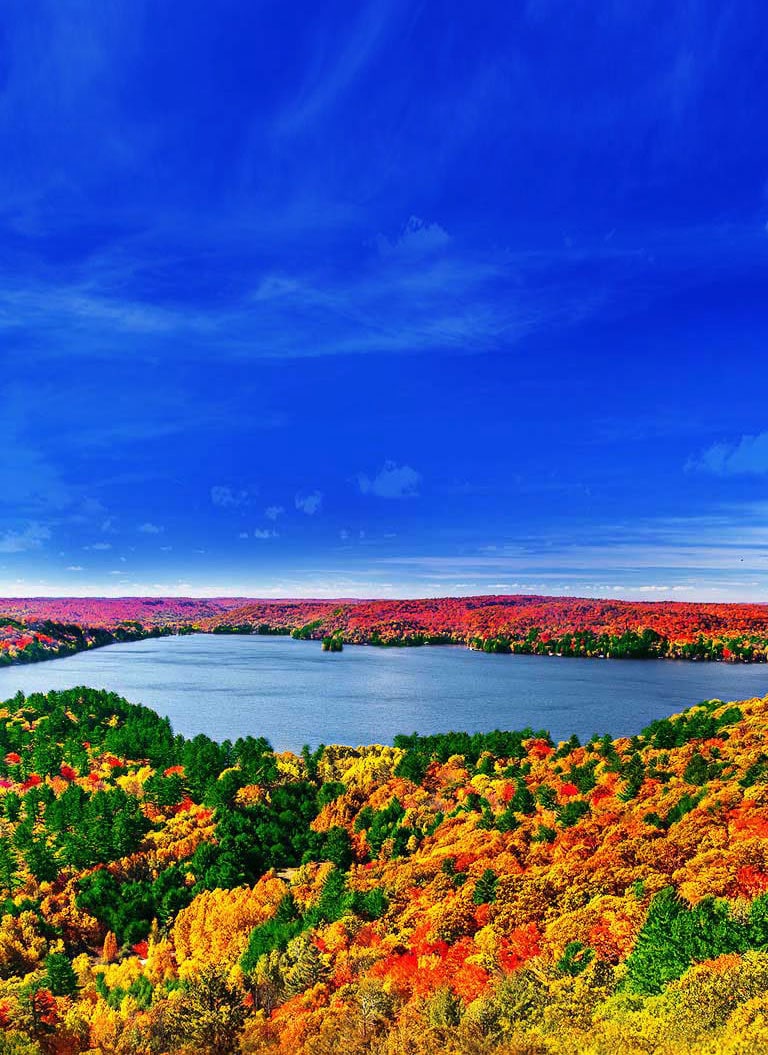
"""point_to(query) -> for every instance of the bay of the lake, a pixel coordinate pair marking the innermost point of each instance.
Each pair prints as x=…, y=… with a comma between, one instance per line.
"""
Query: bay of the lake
x=293, y=693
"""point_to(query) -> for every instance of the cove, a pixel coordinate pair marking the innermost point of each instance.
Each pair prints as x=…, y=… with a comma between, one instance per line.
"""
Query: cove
x=293, y=693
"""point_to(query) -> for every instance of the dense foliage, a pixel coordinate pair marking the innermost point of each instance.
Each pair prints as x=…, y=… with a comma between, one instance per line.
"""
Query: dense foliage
x=34, y=641
x=35, y=628
x=522, y=624
x=109, y=612
x=456, y=893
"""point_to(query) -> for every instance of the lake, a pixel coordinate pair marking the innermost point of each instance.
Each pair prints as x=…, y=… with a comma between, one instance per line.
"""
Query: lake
x=293, y=693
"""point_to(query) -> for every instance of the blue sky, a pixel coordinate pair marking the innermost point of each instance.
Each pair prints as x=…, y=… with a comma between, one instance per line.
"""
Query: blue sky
x=384, y=298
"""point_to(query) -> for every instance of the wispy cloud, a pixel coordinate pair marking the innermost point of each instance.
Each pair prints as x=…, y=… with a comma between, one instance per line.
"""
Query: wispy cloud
x=148, y=528
x=31, y=537
x=721, y=554
x=746, y=456
x=419, y=291
x=335, y=68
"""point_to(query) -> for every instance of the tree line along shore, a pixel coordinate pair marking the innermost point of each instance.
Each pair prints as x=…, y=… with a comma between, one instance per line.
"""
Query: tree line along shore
x=35, y=629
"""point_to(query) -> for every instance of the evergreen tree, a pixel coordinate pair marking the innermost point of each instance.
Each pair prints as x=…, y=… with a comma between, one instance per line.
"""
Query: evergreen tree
x=485, y=888
x=8, y=866
x=60, y=976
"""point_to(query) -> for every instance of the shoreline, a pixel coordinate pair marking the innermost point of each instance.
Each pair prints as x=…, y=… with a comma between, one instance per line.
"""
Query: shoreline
x=103, y=638
x=85, y=644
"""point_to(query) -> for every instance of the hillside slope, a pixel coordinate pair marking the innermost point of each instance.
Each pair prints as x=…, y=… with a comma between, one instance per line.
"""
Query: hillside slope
x=453, y=894
x=43, y=628
x=527, y=624
x=39, y=628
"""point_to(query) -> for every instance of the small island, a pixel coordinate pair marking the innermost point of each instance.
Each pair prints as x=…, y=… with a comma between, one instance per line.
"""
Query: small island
x=333, y=643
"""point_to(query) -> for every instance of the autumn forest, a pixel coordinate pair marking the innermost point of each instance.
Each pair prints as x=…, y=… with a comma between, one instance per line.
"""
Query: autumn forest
x=462, y=894
x=33, y=628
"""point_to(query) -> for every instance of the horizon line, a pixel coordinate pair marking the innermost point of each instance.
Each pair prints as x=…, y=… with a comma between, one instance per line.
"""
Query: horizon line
x=308, y=598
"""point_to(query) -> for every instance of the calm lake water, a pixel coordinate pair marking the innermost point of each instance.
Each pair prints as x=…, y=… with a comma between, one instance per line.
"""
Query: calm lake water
x=293, y=693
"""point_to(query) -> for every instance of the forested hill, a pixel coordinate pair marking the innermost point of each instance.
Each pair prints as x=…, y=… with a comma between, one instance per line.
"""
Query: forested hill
x=524, y=624
x=109, y=612
x=40, y=628
x=455, y=894
x=37, y=628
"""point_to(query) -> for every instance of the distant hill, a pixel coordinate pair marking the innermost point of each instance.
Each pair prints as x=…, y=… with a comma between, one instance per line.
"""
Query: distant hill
x=39, y=628
x=110, y=611
x=521, y=623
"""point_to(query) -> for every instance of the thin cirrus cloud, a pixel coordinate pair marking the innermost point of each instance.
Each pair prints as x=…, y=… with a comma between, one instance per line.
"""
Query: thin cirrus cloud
x=371, y=304
x=31, y=537
x=748, y=456
x=392, y=481
x=398, y=296
x=148, y=528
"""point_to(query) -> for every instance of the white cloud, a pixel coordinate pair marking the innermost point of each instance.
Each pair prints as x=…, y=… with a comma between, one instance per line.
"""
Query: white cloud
x=311, y=503
x=260, y=533
x=227, y=498
x=99, y=546
x=273, y=512
x=32, y=537
x=74, y=567
x=749, y=455
x=393, y=481
x=150, y=529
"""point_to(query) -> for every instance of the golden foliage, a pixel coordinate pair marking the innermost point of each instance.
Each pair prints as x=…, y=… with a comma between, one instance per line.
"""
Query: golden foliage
x=215, y=927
